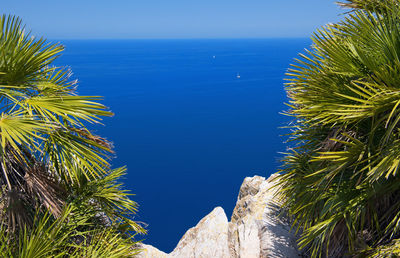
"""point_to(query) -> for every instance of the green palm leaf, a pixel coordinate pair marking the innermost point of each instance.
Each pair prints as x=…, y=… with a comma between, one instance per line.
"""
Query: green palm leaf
x=341, y=180
x=58, y=194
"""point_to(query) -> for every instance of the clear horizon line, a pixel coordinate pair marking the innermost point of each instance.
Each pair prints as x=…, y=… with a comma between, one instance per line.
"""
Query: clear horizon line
x=188, y=38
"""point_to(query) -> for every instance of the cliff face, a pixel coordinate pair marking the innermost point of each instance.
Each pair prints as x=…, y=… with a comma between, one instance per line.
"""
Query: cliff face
x=255, y=229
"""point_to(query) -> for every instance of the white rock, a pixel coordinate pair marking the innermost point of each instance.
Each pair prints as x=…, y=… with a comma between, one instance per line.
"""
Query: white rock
x=255, y=229
x=151, y=252
x=208, y=239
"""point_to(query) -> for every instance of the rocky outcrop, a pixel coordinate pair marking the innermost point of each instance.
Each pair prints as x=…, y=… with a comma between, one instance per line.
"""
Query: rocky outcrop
x=255, y=229
x=150, y=251
x=208, y=239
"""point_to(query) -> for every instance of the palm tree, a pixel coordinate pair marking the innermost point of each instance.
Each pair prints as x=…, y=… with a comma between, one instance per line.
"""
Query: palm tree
x=58, y=194
x=341, y=180
x=371, y=5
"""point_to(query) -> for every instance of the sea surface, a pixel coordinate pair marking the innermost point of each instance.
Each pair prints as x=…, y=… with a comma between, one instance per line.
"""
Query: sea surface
x=186, y=126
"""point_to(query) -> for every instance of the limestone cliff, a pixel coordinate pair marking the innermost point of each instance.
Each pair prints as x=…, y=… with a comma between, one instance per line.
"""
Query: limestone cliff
x=255, y=229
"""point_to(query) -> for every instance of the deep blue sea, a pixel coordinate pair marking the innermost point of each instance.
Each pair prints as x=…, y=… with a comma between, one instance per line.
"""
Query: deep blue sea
x=188, y=129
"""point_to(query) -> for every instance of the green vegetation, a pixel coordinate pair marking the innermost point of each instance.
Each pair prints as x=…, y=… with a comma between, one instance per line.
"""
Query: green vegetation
x=370, y=5
x=342, y=180
x=59, y=196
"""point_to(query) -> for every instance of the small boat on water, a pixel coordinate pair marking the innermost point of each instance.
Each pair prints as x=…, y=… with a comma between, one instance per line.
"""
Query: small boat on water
x=238, y=76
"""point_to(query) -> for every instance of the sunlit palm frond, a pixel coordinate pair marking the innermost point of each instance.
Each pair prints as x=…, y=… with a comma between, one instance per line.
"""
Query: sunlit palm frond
x=371, y=5
x=58, y=194
x=341, y=178
x=106, y=196
x=105, y=243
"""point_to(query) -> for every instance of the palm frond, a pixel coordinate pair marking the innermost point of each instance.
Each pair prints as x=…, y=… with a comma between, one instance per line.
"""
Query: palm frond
x=58, y=194
x=341, y=178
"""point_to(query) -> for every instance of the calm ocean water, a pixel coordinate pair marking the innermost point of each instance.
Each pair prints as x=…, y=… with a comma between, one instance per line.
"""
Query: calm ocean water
x=186, y=126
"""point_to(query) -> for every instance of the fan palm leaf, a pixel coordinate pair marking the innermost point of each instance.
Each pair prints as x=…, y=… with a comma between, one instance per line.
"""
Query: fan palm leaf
x=58, y=194
x=341, y=179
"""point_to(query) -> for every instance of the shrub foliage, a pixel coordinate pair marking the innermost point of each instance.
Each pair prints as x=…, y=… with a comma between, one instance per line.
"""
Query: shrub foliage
x=58, y=194
x=341, y=180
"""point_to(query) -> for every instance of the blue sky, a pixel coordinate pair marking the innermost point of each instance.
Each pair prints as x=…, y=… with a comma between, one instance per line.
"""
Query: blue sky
x=173, y=18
